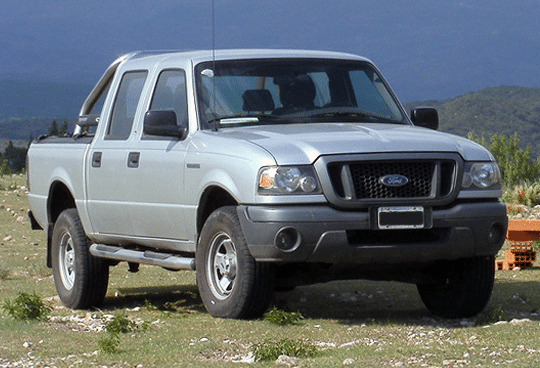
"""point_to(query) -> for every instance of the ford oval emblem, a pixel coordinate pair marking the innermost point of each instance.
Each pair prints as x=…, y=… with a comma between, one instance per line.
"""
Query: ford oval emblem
x=394, y=180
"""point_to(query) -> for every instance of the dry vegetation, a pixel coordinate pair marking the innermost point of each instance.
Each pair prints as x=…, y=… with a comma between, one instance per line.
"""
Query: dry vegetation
x=357, y=324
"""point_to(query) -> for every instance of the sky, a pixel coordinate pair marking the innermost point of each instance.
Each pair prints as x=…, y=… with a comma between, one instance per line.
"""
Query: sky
x=427, y=49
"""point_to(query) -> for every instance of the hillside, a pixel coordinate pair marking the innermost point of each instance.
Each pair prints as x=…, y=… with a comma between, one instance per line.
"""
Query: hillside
x=501, y=110
x=22, y=129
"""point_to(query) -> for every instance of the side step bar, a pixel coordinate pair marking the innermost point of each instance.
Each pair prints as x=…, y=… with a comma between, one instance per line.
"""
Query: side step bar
x=165, y=260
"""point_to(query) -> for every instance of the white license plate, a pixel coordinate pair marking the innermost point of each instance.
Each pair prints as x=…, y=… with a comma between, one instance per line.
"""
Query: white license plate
x=400, y=217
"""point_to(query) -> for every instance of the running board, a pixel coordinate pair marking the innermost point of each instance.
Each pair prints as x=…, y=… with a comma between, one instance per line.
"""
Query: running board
x=165, y=260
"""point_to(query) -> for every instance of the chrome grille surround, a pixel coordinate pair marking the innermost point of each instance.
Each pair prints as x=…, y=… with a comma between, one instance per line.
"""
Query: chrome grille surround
x=354, y=181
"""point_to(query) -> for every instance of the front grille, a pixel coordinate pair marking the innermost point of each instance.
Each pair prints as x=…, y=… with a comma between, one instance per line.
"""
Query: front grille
x=366, y=179
x=361, y=180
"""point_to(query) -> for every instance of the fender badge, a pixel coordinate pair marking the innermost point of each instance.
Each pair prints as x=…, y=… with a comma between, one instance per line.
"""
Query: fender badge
x=393, y=180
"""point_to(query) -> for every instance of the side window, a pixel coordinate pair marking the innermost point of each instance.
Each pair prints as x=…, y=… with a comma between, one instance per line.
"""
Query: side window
x=125, y=105
x=170, y=94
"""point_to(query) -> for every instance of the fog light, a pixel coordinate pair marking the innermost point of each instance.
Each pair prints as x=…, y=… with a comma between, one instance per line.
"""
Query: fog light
x=496, y=234
x=287, y=239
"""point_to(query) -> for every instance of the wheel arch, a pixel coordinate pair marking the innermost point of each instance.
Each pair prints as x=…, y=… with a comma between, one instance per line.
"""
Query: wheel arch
x=211, y=199
x=59, y=199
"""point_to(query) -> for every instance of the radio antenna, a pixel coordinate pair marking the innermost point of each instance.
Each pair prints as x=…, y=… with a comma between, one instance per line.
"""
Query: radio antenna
x=213, y=32
x=214, y=67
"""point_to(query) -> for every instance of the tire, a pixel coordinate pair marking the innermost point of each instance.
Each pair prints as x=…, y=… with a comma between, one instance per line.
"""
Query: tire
x=464, y=289
x=81, y=280
x=231, y=283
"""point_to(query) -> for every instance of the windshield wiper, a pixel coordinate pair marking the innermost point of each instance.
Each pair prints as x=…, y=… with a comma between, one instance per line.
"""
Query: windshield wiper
x=242, y=120
x=348, y=112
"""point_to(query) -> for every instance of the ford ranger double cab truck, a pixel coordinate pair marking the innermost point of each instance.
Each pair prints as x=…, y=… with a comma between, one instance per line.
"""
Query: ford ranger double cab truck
x=264, y=170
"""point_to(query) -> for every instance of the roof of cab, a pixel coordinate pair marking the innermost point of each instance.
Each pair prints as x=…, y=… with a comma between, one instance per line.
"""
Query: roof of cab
x=227, y=54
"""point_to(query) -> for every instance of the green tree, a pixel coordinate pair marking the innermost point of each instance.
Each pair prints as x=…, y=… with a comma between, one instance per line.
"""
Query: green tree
x=515, y=164
x=63, y=130
x=16, y=157
x=5, y=167
x=53, y=130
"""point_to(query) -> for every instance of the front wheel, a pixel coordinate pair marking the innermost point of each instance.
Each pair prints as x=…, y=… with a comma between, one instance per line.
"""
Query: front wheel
x=231, y=283
x=463, y=289
x=81, y=280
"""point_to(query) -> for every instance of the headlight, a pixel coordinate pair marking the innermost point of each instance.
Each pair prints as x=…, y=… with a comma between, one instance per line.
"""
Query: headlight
x=288, y=180
x=482, y=175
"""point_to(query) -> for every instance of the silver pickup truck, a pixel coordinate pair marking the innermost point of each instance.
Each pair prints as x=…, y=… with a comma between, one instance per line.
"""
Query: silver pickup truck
x=264, y=170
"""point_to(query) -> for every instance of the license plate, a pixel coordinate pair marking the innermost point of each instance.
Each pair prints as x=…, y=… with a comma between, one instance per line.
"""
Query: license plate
x=400, y=217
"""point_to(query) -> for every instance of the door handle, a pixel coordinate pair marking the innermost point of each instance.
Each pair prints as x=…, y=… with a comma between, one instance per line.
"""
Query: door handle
x=133, y=160
x=96, y=159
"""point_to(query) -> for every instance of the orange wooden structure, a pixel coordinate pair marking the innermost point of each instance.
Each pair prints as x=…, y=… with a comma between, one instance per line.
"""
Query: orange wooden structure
x=520, y=236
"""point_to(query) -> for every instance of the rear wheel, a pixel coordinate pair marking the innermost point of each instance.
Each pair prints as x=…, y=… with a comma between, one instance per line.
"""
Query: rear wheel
x=463, y=289
x=81, y=280
x=231, y=283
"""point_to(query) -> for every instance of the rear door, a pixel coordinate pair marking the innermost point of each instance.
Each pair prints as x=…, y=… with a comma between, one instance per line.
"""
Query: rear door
x=108, y=176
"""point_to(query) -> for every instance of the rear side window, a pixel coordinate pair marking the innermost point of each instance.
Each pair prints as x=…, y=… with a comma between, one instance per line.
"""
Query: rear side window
x=170, y=94
x=125, y=105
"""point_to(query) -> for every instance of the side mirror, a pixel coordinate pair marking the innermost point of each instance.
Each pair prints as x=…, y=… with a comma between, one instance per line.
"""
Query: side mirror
x=426, y=117
x=163, y=123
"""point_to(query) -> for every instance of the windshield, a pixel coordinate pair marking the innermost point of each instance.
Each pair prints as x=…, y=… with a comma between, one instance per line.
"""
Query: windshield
x=251, y=92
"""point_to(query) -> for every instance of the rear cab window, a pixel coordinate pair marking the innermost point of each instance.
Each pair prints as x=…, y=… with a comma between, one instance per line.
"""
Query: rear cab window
x=125, y=105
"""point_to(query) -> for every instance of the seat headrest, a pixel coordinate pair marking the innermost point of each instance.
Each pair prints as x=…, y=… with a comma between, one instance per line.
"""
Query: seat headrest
x=258, y=100
x=296, y=90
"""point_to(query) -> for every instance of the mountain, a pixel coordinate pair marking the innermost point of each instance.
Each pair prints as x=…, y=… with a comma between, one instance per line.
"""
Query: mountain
x=503, y=110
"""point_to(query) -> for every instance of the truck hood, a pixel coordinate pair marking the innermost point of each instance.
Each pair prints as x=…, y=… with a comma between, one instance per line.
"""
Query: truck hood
x=303, y=143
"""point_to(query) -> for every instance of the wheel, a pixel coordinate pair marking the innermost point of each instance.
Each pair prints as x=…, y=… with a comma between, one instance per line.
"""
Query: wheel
x=231, y=283
x=81, y=280
x=464, y=288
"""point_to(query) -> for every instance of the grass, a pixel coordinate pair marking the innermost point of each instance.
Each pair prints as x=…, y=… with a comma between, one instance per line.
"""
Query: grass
x=363, y=323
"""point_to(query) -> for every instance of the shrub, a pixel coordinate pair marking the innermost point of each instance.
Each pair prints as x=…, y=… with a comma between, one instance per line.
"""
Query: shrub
x=271, y=350
x=526, y=194
x=282, y=318
x=515, y=164
x=109, y=344
x=493, y=315
x=27, y=307
x=120, y=324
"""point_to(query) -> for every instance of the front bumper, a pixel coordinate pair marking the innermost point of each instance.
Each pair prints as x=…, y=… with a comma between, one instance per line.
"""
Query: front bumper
x=328, y=235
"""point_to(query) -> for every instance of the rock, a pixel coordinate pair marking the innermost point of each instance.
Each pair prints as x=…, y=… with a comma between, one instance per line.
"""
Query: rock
x=287, y=361
x=8, y=238
x=349, y=361
x=519, y=321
